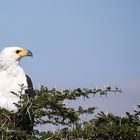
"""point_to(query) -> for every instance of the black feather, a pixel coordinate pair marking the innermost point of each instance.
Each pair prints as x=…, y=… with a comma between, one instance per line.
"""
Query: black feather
x=25, y=118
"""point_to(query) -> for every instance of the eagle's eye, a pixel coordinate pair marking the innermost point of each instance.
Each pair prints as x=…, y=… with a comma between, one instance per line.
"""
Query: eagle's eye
x=18, y=51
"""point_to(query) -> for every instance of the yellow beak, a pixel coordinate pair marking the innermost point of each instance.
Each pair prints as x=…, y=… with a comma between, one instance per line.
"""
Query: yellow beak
x=24, y=52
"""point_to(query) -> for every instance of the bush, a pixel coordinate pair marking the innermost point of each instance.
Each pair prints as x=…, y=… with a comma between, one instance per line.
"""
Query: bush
x=48, y=107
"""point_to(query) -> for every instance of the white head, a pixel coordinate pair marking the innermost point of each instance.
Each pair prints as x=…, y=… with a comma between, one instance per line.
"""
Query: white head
x=12, y=55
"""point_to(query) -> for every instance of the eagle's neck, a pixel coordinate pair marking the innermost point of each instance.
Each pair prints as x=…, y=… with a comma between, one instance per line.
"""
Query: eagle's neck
x=6, y=64
x=12, y=68
x=15, y=70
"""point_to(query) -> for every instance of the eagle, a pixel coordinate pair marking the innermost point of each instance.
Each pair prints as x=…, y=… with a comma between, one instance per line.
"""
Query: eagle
x=13, y=77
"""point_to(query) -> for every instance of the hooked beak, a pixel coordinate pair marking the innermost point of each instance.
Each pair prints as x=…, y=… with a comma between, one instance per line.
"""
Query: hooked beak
x=29, y=53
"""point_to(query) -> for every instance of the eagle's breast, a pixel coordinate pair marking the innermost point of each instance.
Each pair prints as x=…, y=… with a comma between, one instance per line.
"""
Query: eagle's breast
x=13, y=80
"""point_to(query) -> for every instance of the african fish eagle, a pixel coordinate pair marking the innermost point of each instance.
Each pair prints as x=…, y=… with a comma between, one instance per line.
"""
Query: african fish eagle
x=12, y=76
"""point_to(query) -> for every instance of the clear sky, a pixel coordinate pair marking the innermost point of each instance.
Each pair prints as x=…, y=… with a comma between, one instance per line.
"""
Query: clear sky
x=78, y=43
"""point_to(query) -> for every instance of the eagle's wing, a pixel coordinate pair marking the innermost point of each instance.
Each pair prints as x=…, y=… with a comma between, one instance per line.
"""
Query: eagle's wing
x=30, y=91
x=27, y=120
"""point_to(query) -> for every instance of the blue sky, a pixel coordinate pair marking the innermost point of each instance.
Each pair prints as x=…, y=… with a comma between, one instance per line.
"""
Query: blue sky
x=78, y=43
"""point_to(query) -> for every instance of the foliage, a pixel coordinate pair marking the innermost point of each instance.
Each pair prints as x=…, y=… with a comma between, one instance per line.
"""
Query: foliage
x=49, y=107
